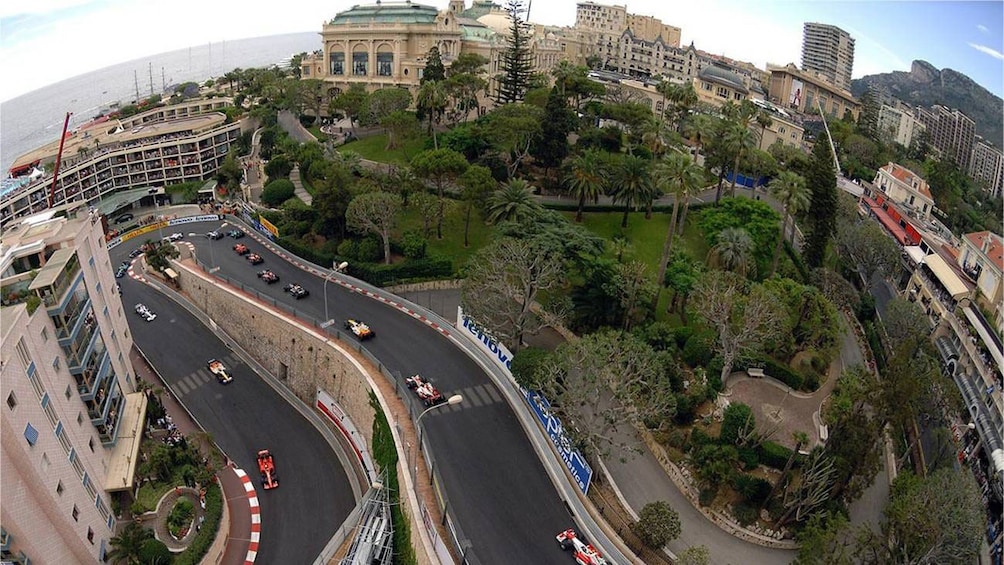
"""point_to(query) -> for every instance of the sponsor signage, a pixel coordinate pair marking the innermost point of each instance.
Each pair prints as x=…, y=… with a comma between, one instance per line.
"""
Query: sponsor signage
x=500, y=354
x=269, y=226
x=797, y=90
x=191, y=219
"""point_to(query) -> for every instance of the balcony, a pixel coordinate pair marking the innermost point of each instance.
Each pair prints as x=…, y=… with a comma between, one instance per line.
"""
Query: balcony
x=59, y=274
x=91, y=375
x=108, y=429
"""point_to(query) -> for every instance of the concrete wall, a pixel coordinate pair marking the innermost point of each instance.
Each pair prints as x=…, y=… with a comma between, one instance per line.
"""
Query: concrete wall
x=303, y=359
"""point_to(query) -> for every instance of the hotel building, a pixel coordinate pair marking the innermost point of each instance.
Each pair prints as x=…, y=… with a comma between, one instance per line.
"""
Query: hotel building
x=987, y=166
x=828, y=51
x=72, y=421
x=793, y=89
x=950, y=132
x=165, y=145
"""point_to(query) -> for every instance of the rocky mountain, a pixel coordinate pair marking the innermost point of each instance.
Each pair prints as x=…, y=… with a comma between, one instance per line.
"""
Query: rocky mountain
x=925, y=86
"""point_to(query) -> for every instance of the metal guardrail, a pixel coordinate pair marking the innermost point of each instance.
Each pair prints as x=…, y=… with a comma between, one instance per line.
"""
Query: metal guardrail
x=568, y=492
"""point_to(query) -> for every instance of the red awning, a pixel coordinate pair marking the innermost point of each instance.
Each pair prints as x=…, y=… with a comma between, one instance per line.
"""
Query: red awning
x=892, y=225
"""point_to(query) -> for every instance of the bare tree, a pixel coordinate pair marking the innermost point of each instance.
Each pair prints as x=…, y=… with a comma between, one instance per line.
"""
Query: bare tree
x=374, y=212
x=603, y=381
x=813, y=489
x=744, y=317
x=869, y=248
x=503, y=282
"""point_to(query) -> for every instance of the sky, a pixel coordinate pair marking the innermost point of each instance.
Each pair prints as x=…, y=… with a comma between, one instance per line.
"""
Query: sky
x=45, y=41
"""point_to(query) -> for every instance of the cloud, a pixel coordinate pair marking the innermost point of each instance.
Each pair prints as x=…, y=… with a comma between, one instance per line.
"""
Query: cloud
x=982, y=28
x=987, y=50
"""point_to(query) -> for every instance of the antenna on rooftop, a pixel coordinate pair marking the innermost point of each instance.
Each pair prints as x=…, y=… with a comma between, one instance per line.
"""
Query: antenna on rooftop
x=150, y=71
x=135, y=78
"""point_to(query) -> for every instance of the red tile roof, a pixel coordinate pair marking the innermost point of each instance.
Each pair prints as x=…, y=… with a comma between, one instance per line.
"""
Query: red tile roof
x=906, y=177
x=995, y=252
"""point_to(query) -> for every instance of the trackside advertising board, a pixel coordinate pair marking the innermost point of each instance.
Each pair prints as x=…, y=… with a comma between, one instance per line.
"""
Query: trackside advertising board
x=500, y=354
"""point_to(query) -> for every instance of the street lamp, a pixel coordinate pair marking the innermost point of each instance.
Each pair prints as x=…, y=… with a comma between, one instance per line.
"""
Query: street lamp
x=335, y=268
x=455, y=399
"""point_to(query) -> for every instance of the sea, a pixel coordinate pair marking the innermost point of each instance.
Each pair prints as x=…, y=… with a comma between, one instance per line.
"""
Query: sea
x=36, y=118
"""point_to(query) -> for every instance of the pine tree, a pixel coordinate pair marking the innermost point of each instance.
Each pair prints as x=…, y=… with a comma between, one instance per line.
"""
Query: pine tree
x=551, y=147
x=517, y=65
x=822, y=214
x=434, y=69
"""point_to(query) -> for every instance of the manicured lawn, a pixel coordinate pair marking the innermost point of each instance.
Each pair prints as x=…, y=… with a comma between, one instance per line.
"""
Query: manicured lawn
x=372, y=148
x=316, y=131
x=645, y=237
x=452, y=244
x=151, y=493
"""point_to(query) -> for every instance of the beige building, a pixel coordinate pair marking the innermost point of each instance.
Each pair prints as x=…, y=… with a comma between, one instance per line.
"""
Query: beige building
x=907, y=189
x=896, y=123
x=165, y=145
x=828, y=51
x=987, y=166
x=793, y=89
x=72, y=421
x=715, y=86
x=783, y=127
x=950, y=132
x=981, y=258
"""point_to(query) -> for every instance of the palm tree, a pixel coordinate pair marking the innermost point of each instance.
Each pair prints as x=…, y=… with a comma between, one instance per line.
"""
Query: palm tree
x=681, y=176
x=763, y=120
x=513, y=202
x=801, y=438
x=126, y=546
x=620, y=246
x=585, y=176
x=684, y=97
x=632, y=184
x=738, y=141
x=733, y=251
x=432, y=100
x=790, y=190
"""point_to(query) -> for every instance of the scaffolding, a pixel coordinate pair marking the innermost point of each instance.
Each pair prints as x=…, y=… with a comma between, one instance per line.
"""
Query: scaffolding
x=374, y=540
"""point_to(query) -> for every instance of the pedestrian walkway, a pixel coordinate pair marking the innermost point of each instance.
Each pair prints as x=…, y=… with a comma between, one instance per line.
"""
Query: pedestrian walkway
x=298, y=190
x=164, y=507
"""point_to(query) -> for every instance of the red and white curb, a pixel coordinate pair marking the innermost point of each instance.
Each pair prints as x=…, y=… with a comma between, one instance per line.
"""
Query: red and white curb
x=294, y=260
x=255, y=516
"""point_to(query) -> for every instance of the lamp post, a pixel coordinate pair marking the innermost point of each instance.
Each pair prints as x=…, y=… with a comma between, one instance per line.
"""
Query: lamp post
x=335, y=268
x=455, y=399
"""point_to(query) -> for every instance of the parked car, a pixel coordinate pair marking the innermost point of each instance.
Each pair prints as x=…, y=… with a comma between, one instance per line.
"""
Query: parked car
x=124, y=218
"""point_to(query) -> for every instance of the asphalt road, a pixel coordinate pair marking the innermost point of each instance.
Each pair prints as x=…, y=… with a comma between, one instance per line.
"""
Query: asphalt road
x=314, y=496
x=497, y=488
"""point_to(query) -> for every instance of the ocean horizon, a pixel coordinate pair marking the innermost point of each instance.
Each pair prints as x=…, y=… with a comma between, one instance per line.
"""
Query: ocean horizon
x=36, y=118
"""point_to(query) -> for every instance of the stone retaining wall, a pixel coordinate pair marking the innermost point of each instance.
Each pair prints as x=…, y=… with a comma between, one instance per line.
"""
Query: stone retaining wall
x=302, y=360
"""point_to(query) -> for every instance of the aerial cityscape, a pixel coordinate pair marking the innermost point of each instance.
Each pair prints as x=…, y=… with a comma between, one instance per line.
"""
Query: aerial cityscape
x=453, y=285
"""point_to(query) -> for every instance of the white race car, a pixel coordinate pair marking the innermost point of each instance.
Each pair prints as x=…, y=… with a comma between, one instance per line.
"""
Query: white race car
x=428, y=394
x=216, y=367
x=145, y=312
x=584, y=553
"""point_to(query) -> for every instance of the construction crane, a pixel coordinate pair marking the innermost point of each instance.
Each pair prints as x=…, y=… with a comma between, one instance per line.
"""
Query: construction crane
x=59, y=157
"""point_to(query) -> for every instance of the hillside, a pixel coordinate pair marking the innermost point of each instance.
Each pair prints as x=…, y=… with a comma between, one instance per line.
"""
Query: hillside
x=925, y=86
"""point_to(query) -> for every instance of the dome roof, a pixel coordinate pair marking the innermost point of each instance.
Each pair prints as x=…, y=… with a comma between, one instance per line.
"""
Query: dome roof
x=724, y=77
x=497, y=22
x=387, y=12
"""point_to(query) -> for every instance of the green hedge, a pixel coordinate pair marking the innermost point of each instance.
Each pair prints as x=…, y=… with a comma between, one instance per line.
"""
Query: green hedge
x=773, y=368
x=383, y=275
x=774, y=455
x=385, y=456
x=207, y=533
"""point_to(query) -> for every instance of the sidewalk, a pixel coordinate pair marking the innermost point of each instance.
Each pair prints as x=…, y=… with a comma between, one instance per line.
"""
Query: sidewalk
x=238, y=511
x=298, y=190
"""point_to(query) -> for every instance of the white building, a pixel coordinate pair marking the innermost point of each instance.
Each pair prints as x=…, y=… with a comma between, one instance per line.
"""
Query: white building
x=987, y=166
x=72, y=421
x=898, y=124
x=906, y=188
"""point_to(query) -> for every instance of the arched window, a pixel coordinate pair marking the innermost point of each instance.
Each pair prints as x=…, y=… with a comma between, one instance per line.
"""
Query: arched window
x=337, y=63
x=360, y=61
x=385, y=60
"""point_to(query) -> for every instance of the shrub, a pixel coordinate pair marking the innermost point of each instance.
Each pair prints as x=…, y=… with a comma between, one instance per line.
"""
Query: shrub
x=774, y=454
x=782, y=373
x=369, y=250
x=707, y=495
x=277, y=192
x=413, y=245
x=748, y=458
x=207, y=532
x=753, y=489
x=699, y=439
x=697, y=350
x=154, y=552
x=657, y=524
x=419, y=269
x=744, y=513
x=682, y=334
x=677, y=439
x=736, y=418
x=660, y=335
x=349, y=248
x=180, y=516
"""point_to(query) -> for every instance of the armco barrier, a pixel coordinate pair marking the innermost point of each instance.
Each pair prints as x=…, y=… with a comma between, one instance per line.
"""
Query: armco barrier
x=614, y=550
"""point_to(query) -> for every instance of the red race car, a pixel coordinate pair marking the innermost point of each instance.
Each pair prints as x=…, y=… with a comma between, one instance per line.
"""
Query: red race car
x=241, y=249
x=584, y=553
x=254, y=258
x=269, y=480
x=425, y=391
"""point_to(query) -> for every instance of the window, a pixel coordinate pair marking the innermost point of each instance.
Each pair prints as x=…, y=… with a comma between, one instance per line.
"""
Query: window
x=11, y=400
x=90, y=535
x=45, y=334
x=360, y=64
x=22, y=352
x=30, y=434
x=55, y=363
x=385, y=63
x=90, y=443
x=69, y=392
x=80, y=418
x=75, y=513
x=46, y=464
x=59, y=488
x=722, y=92
x=338, y=63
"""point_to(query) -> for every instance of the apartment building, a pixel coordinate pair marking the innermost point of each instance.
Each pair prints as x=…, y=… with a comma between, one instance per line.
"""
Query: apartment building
x=987, y=166
x=793, y=89
x=828, y=51
x=950, y=132
x=981, y=257
x=897, y=124
x=907, y=189
x=72, y=421
x=165, y=145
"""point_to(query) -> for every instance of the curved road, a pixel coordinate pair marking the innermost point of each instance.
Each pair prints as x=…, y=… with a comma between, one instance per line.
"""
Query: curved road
x=497, y=487
x=314, y=496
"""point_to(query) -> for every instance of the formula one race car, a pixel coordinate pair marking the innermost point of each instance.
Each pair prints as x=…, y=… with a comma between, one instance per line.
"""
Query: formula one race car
x=214, y=235
x=361, y=330
x=222, y=374
x=268, y=276
x=584, y=553
x=236, y=234
x=254, y=258
x=425, y=391
x=266, y=466
x=296, y=290
x=145, y=313
x=241, y=249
